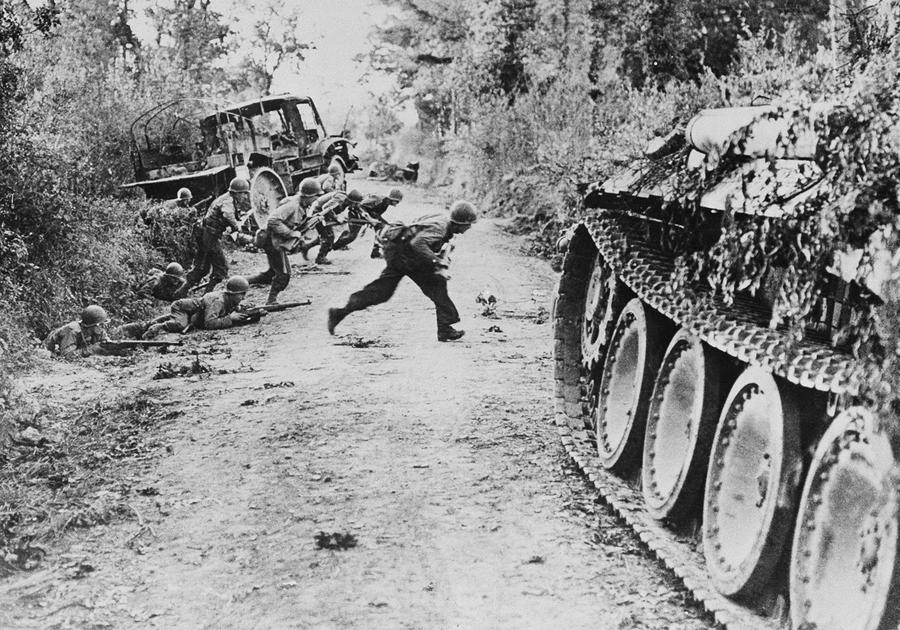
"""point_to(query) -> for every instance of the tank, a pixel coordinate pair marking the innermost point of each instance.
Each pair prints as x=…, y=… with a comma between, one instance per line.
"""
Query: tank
x=738, y=444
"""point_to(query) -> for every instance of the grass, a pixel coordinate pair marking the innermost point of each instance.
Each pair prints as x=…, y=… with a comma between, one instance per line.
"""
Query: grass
x=69, y=469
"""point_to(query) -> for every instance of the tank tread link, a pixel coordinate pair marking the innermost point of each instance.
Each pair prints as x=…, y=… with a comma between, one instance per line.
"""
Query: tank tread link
x=732, y=449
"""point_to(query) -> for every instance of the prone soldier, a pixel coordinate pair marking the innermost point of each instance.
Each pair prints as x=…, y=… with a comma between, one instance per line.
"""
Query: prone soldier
x=416, y=251
x=168, y=285
x=182, y=201
x=222, y=214
x=282, y=236
x=82, y=336
x=214, y=311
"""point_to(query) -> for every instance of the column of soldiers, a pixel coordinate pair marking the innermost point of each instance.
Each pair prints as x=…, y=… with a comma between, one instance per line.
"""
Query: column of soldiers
x=419, y=251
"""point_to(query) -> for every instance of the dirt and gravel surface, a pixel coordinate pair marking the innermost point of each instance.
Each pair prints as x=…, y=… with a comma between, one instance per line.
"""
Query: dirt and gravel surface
x=432, y=467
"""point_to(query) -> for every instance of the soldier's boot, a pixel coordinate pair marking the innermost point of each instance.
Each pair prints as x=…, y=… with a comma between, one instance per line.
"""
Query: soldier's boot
x=335, y=315
x=449, y=333
x=273, y=295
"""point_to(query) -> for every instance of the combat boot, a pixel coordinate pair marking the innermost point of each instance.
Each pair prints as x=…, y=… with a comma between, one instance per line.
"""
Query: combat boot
x=273, y=296
x=335, y=315
x=449, y=333
x=322, y=261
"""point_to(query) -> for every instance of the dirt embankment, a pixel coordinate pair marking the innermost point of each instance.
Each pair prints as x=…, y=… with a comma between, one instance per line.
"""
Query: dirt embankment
x=438, y=459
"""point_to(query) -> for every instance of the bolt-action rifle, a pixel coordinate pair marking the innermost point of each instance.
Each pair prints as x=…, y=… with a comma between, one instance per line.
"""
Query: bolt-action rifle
x=255, y=312
x=119, y=344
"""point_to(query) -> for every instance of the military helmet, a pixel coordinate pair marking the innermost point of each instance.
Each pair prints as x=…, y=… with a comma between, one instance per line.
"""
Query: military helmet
x=310, y=187
x=93, y=315
x=174, y=269
x=335, y=169
x=396, y=195
x=239, y=185
x=184, y=194
x=237, y=284
x=463, y=212
x=355, y=196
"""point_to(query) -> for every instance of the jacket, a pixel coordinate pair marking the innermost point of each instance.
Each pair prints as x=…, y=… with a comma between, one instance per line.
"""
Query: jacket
x=284, y=221
x=211, y=312
x=70, y=338
x=221, y=214
x=417, y=246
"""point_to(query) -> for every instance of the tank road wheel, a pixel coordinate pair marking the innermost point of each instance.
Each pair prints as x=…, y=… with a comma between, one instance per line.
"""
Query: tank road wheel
x=681, y=423
x=266, y=192
x=844, y=570
x=603, y=302
x=635, y=349
x=751, y=484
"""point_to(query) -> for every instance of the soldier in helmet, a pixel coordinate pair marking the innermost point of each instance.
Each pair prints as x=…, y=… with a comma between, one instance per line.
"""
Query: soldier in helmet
x=182, y=201
x=416, y=251
x=282, y=236
x=327, y=207
x=222, y=215
x=168, y=285
x=213, y=311
x=371, y=209
x=333, y=180
x=80, y=336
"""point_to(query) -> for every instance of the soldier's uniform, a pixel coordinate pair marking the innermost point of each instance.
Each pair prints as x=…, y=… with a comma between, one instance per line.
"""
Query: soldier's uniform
x=372, y=207
x=164, y=286
x=71, y=338
x=329, y=183
x=210, y=312
x=209, y=255
x=280, y=239
x=328, y=206
x=413, y=253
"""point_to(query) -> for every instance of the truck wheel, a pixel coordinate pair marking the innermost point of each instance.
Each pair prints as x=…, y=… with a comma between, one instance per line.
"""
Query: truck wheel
x=266, y=192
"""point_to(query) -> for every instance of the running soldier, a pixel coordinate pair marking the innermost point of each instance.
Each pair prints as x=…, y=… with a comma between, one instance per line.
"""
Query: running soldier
x=222, y=215
x=416, y=251
x=282, y=236
x=370, y=210
x=327, y=207
x=333, y=180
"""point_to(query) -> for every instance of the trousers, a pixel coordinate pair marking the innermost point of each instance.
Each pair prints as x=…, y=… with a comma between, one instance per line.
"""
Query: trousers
x=382, y=288
x=279, y=271
x=209, y=255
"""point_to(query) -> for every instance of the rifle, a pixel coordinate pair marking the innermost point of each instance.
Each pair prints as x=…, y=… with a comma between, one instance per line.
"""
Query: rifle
x=118, y=344
x=262, y=311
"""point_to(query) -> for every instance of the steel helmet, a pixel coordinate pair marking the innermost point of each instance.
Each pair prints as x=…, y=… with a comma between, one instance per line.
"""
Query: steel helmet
x=237, y=284
x=355, y=196
x=239, y=185
x=184, y=194
x=396, y=195
x=310, y=187
x=174, y=269
x=463, y=212
x=335, y=169
x=93, y=315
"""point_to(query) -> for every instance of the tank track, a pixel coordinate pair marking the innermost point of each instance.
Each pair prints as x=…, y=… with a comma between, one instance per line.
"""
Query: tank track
x=739, y=330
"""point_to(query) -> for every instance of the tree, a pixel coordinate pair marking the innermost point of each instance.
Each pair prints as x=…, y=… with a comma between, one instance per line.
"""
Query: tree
x=191, y=40
x=273, y=42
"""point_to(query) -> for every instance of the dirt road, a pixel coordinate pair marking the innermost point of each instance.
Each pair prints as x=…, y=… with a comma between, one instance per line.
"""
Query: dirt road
x=438, y=458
